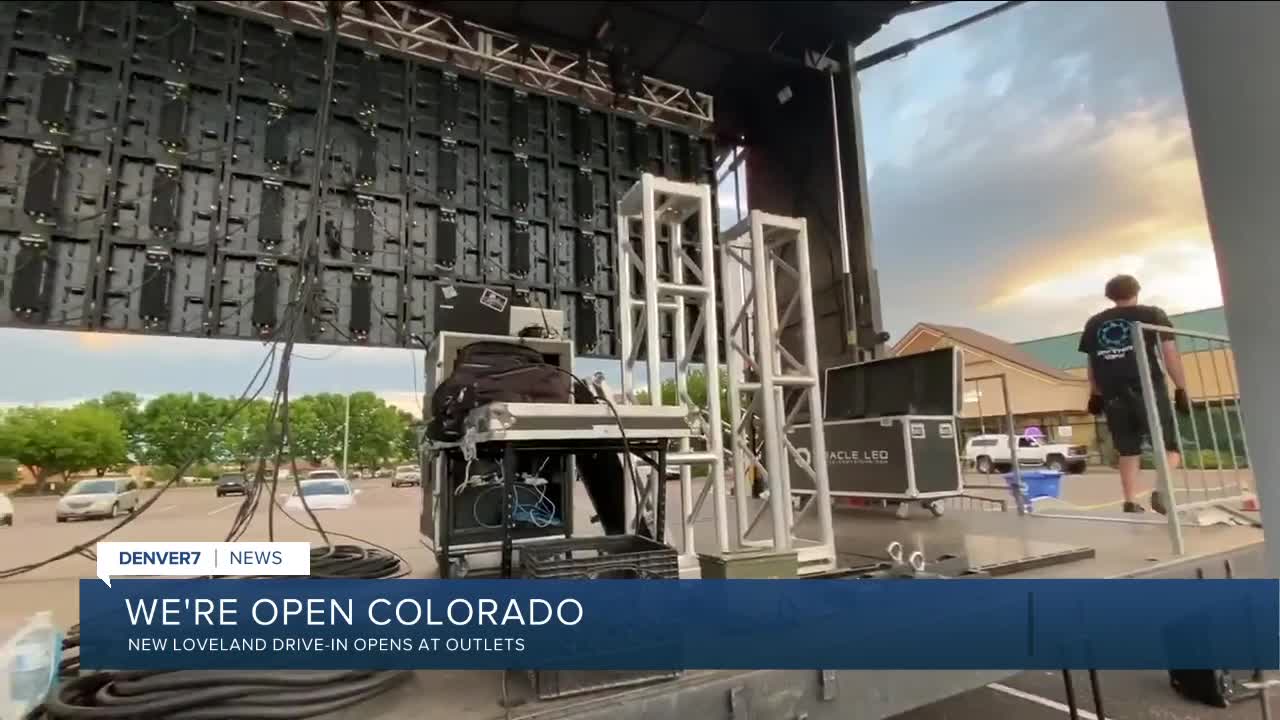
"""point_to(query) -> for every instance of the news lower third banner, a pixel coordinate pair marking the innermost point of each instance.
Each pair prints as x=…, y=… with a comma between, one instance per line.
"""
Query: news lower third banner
x=703, y=624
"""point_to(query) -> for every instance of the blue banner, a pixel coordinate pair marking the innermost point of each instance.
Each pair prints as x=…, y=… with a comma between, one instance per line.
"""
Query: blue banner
x=703, y=624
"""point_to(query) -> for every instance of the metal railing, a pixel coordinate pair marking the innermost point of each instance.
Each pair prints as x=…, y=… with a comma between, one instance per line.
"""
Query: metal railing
x=1211, y=470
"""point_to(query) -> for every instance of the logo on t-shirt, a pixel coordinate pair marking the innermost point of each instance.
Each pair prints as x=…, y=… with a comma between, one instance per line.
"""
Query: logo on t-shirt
x=1115, y=339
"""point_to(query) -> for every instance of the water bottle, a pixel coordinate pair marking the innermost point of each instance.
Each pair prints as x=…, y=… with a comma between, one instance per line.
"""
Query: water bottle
x=30, y=655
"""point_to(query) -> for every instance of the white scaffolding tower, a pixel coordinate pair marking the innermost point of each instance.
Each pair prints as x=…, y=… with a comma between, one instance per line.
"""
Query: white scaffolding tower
x=759, y=255
x=656, y=207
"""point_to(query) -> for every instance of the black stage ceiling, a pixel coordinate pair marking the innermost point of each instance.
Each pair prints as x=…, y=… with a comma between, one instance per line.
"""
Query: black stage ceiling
x=721, y=48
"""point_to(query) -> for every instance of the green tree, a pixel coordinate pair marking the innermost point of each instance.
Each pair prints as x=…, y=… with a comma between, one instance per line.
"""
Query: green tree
x=51, y=441
x=177, y=428
x=409, y=436
x=697, y=391
x=376, y=433
x=247, y=434
x=126, y=407
x=315, y=427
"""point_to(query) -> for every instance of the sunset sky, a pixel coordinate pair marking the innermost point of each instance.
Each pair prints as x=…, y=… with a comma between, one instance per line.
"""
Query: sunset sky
x=1014, y=166
x=1026, y=159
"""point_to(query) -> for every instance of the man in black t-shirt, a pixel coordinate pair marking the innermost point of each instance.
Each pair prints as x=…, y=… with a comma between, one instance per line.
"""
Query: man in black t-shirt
x=1115, y=384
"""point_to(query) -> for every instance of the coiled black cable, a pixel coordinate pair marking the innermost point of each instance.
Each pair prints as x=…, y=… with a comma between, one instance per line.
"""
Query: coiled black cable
x=216, y=695
x=355, y=562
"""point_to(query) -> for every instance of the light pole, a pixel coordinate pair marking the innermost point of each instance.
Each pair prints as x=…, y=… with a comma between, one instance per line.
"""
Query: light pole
x=346, y=433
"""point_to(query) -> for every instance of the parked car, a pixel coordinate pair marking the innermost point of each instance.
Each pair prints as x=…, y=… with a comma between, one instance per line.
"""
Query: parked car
x=232, y=484
x=6, y=511
x=407, y=475
x=325, y=475
x=989, y=453
x=322, y=494
x=98, y=497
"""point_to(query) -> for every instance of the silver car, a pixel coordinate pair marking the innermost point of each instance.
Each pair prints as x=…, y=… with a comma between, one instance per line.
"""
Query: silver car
x=98, y=497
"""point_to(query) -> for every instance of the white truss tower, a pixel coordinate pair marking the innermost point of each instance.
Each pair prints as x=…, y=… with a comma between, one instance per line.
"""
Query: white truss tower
x=652, y=207
x=760, y=254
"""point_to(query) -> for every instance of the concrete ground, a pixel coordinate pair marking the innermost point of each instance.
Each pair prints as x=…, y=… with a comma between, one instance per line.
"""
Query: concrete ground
x=1098, y=490
x=389, y=516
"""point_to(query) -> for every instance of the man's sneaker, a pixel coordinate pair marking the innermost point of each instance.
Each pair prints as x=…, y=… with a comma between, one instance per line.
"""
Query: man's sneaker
x=1157, y=503
x=1133, y=507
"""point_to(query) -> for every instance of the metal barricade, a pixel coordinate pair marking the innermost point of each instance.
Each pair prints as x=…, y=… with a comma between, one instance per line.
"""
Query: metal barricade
x=1212, y=470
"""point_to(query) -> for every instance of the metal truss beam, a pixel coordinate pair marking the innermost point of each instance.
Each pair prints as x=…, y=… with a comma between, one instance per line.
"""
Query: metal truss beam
x=407, y=29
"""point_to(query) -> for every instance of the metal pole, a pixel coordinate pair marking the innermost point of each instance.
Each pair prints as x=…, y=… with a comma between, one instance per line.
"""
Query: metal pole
x=1096, y=688
x=652, y=319
x=1232, y=128
x=846, y=274
x=1164, y=478
x=765, y=397
x=1072, y=710
x=346, y=433
x=710, y=346
x=817, y=438
x=1018, y=495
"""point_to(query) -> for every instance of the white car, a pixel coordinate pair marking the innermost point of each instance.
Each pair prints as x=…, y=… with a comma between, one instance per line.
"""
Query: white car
x=990, y=452
x=322, y=494
x=98, y=497
x=407, y=475
x=325, y=475
x=6, y=511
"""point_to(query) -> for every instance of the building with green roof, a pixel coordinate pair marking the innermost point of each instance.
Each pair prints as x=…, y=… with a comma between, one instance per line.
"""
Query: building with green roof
x=1060, y=351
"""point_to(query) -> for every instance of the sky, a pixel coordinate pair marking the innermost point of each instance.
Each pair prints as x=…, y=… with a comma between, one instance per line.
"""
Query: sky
x=1013, y=167
x=1018, y=163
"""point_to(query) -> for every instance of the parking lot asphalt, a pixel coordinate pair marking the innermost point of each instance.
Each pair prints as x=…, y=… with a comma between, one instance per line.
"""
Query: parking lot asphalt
x=384, y=515
x=389, y=517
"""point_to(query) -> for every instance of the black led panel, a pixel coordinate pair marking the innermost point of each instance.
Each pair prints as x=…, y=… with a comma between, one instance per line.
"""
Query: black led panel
x=449, y=92
x=370, y=82
x=182, y=44
x=29, y=293
x=519, y=183
x=447, y=170
x=166, y=192
x=521, y=261
x=43, y=179
x=583, y=195
x=366, y=159
x=361, y=306
x=54, y=110
x=583, y=142
x=482, y=182
x=586, y=333
x=519, y=119
x=154, y=293
x=172, y=130
x=271, y=221
x=266, y=287
x=584, y=259
x=276, y=143
x=67, y=19
x=446, y=240
x=362, y=242
x=640, y=149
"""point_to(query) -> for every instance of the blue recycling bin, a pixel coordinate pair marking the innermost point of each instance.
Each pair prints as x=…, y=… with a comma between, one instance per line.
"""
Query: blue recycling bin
x=1037, y=484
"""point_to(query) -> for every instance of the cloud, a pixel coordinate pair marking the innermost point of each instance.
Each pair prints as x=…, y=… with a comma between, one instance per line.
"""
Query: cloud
x=1036, y=150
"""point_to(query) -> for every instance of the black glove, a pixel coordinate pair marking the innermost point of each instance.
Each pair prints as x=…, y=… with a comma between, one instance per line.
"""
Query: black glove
x=1095, y=405
x=1181, y=402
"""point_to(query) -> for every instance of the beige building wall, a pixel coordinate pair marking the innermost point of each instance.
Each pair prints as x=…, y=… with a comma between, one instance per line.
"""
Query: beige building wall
x=1031, y=392
x=1211, y=374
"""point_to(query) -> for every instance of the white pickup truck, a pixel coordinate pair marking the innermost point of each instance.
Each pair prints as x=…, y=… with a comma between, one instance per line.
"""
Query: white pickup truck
x=989, y=453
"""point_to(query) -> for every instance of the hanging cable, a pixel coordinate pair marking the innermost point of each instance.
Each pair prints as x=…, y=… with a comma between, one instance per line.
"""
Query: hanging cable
x=901, y=49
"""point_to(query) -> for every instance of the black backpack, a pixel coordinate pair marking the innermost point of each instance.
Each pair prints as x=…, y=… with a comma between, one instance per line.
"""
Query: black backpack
x=489, y=372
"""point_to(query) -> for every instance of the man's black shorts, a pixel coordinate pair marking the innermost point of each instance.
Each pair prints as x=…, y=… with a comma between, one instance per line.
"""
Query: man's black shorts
x=1127, y=420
